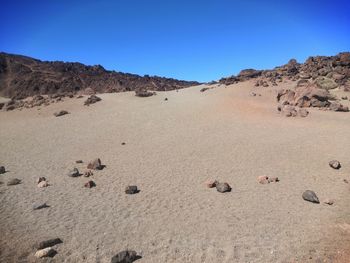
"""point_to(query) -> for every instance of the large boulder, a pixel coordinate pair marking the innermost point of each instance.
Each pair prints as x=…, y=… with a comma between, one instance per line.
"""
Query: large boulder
x=325, y=83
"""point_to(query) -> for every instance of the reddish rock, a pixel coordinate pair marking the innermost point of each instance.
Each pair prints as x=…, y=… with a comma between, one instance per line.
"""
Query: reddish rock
x=95, y=164
x=89, y=184
x=211, y=183
x=263, y=179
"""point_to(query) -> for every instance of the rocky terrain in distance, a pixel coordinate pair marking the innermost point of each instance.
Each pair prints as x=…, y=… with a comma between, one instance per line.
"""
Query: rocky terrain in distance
x=22, y=76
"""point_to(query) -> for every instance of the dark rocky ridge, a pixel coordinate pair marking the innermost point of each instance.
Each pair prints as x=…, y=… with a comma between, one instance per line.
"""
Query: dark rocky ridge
x=22, y=76
x=336, y=68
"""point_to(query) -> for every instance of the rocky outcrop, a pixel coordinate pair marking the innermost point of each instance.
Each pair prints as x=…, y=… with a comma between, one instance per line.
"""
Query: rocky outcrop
x=330, y=72
x=309, y=96
x=21, y=77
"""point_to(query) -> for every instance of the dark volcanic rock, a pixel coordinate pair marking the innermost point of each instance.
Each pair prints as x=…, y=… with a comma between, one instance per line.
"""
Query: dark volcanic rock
x=21, y=77
x=143, y=93
x=89, y=184
x=61, y=113
x=40, y=206
x=335, y=164
x=2, y=170
x=91, y=100
x=310, y=196
x=131, y=189
x=74, y=173
x=223, y=187
x=48, y=243
x=127, y=256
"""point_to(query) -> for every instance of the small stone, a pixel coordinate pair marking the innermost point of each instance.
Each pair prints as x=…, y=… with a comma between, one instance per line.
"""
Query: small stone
x=303, y=112
x=127, y=256
x=95, y=164
x=123, y=143
x=273, y=180
x=223, y=187
x=328, y=201
x=131, y=189
x=203, y=89
x=310, y=196
x=46, y=252
x=40, y=179
x=345, y=181
x=13, y=182
x=43, y=184
x=79, y=161
x=88, y=173
x=211, y=183
x=166, y=99
x=48, y=243
x=60, y=113
x=74, y=173
x=40, y=206
x=335, y=164
x=263, y=179
x=90, y=184
x=2, y=170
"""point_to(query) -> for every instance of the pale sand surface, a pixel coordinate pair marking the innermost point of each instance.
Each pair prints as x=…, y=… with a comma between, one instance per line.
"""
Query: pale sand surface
x=172, y=147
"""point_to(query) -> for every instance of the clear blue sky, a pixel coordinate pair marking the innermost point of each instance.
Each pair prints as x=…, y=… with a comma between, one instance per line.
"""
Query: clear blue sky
x=193, y=40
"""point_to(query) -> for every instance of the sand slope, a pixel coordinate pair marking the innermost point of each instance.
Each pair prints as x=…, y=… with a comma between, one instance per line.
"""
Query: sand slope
x=171, y=148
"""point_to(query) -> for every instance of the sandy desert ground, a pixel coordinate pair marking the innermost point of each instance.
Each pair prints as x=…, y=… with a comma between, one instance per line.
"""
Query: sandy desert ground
x=172, y=147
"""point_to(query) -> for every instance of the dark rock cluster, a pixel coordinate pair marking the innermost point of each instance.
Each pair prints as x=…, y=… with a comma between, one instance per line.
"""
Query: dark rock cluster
x=21, y=77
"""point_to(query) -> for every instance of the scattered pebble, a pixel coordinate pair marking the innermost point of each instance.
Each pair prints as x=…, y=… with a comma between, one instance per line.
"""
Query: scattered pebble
x=49, y=243
x=95, y=164
x=223, y=187
x=335, y=164
x=266, y=180
x=328, y=202
x=131, y=189
x=79, y=161
x=90, y=184
x=123, y=143
x=61, y=113
x=263, y=179
x=166, y=99
x=2, y=169
x=127, y=256
x=310, y=196
x=40, y=206
x=303, y=112
x=345, y=181
x=88, y=173
x=211, y=183
x=40, y=179
x=74, y=173
x=203, y=89
x=13, y=182
x=43, y=184
x=46, y=252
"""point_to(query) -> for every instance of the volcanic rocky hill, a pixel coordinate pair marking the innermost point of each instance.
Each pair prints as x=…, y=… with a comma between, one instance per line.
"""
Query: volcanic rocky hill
x=333, y=70
x=22, y=76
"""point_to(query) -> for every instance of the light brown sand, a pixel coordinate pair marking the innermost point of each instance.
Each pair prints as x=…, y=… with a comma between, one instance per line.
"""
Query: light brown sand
x=172, y=147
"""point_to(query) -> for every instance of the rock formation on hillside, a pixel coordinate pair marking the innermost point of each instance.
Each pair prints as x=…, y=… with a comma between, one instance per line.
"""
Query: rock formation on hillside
x=327, y=72
x=22, y=76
